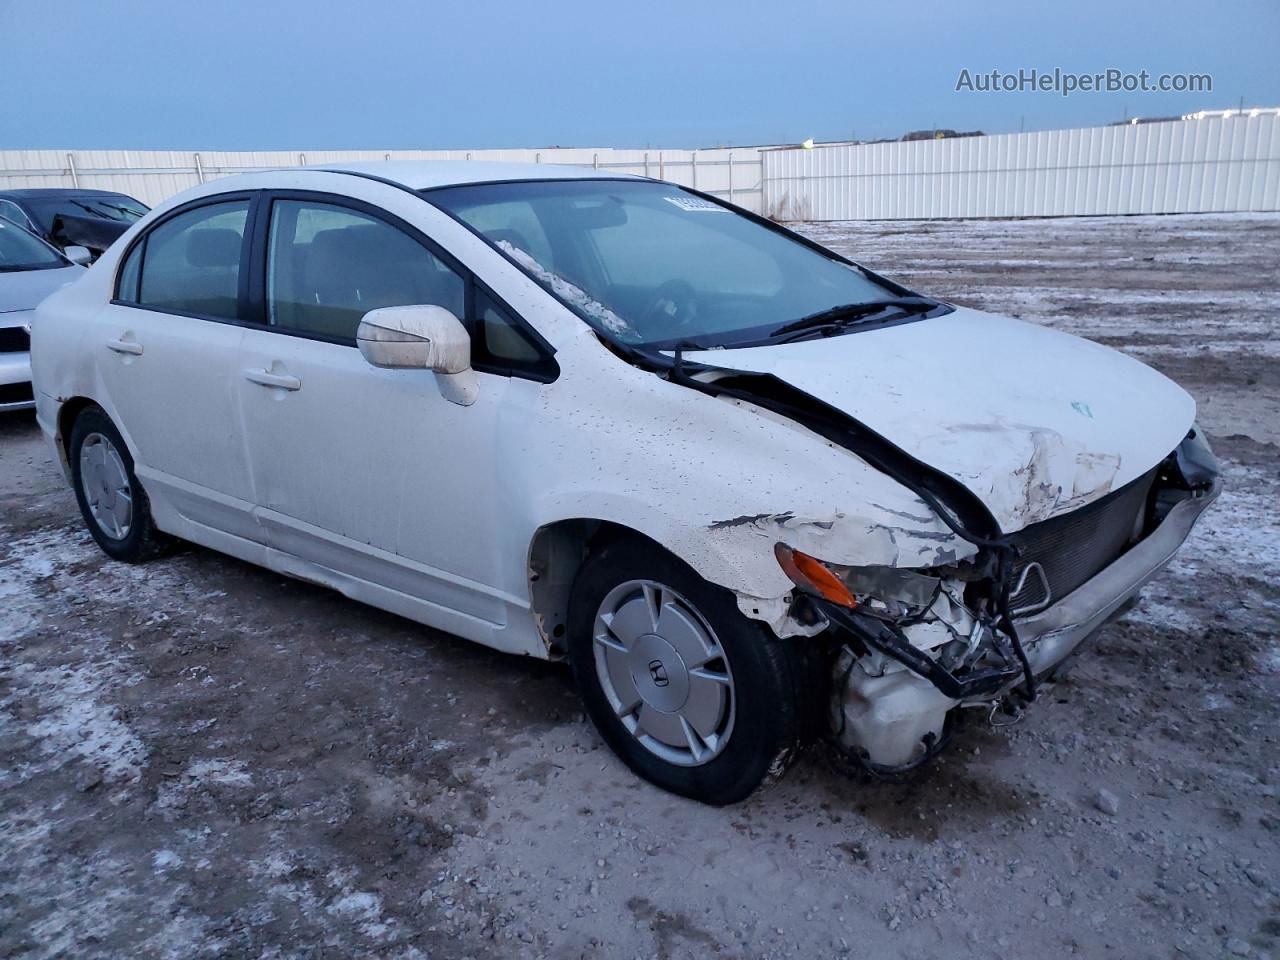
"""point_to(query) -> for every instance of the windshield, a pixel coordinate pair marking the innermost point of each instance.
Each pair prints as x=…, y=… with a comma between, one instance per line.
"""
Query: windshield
x=19, y=250
x=113, y=207
x=649, y=263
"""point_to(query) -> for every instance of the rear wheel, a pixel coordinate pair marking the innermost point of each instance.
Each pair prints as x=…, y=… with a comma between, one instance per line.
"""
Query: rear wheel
x=114, y=505
x=690, y=694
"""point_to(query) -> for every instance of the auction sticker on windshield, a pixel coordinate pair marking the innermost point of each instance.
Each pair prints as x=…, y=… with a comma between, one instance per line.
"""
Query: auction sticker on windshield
x=696, y=204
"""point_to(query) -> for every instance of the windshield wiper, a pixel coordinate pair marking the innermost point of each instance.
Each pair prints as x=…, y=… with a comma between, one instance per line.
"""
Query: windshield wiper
x=845, y=314
x=131, y=214
x=99, y=214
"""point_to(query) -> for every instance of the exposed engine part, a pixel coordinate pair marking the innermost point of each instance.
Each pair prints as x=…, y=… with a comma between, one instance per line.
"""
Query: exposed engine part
x=1009, y=709
x=910, y=657
x=883, y=716
x=990, y=669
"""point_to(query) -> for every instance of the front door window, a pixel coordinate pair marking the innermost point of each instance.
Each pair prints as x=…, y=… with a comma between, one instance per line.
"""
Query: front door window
x=327, y=266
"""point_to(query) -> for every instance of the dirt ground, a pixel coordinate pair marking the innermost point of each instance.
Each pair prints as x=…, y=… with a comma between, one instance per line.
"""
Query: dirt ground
x=201, y=759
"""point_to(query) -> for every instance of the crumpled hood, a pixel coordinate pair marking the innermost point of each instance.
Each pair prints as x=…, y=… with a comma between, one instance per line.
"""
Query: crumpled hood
x=25, y=289
x=1035, y=422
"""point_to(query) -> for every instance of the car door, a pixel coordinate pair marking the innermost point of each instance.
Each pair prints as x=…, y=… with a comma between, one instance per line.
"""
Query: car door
x=369, y=472
x=167, y=356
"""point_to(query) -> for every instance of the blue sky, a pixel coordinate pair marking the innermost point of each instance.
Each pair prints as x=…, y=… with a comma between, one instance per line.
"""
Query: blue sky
x=394, y=74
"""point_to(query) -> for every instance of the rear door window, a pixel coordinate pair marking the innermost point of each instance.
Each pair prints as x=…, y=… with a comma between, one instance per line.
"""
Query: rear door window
x=191, y=262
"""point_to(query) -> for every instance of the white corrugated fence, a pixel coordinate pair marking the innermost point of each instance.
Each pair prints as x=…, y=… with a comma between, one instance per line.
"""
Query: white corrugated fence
x=1212, y=164
x=1209, y=164
x=155, y=175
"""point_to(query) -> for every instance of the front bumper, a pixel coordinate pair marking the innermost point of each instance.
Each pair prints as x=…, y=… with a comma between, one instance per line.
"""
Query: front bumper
x=1051, y=635
x=893, y=719
x=15, y=382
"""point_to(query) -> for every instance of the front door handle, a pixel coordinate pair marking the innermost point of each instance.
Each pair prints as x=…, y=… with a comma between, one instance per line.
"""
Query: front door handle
x=131, y=347
x=268, y=379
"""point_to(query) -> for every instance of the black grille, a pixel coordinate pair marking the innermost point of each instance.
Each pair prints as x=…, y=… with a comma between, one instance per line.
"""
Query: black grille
x=1074, y=547
x=16, y=393
x=14, y=340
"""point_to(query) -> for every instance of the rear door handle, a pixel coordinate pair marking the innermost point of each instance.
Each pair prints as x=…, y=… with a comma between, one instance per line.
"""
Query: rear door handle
x=131, y=347
x=268, y=379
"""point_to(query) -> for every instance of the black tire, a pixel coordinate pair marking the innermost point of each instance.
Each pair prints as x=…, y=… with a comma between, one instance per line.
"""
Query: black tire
x=142, y=541
x=767, y=676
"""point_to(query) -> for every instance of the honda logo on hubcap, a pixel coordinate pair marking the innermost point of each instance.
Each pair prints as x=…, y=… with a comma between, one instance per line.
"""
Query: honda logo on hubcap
x=658, y=673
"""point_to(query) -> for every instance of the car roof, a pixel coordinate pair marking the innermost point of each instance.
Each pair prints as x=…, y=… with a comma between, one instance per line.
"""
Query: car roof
x=423, y=174
x=38, y=193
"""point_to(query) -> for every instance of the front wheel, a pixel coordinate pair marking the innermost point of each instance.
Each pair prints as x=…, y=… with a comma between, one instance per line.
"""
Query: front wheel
x=691, y=695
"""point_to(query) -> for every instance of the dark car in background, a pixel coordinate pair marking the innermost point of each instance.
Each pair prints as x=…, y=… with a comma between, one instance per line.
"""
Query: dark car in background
x=72, y=217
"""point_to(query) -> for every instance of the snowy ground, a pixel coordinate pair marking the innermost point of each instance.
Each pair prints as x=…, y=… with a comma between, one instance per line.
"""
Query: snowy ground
x=201, y=759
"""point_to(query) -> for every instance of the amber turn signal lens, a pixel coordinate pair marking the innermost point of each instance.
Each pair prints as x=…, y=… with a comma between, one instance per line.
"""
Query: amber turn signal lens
x=812, y=575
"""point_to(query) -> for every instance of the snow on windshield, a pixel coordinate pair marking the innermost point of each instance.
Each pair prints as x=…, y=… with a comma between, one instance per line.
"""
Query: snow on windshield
x=565, y=290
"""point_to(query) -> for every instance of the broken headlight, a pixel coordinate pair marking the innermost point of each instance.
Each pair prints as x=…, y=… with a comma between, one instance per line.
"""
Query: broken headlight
x=890, y=593
x=919, y=619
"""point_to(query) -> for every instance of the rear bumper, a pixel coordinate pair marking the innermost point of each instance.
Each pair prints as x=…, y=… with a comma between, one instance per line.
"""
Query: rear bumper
x=15, y=373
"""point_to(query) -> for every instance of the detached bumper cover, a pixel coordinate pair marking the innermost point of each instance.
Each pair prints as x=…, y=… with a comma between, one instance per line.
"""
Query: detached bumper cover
x=1051, y=635
x=895, y=719
x=1048, y=636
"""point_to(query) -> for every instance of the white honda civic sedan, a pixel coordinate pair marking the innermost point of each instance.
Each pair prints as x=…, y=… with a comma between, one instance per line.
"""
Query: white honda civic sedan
x=754, y=493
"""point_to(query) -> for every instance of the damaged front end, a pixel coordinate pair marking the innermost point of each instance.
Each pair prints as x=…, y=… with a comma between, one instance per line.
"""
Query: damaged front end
x=1000, y=610
x=909, y=646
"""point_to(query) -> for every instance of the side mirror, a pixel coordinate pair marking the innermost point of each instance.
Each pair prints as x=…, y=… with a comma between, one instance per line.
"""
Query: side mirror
x=78, y=254
x=421, y=338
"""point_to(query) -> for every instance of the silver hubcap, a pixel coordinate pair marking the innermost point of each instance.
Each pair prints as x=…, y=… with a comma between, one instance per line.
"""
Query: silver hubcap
x=105, y=484
x=664, y=673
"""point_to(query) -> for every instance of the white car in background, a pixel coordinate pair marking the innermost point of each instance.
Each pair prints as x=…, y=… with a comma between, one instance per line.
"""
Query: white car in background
x=753, y=492
x=30, y=270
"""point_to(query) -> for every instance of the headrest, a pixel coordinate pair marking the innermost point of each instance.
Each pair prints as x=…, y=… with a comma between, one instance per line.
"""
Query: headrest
x=372, y=244
x=218, y=247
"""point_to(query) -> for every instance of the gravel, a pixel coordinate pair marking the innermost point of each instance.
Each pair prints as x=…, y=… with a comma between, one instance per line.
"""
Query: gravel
x=201, y=759
x=1107, y=802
